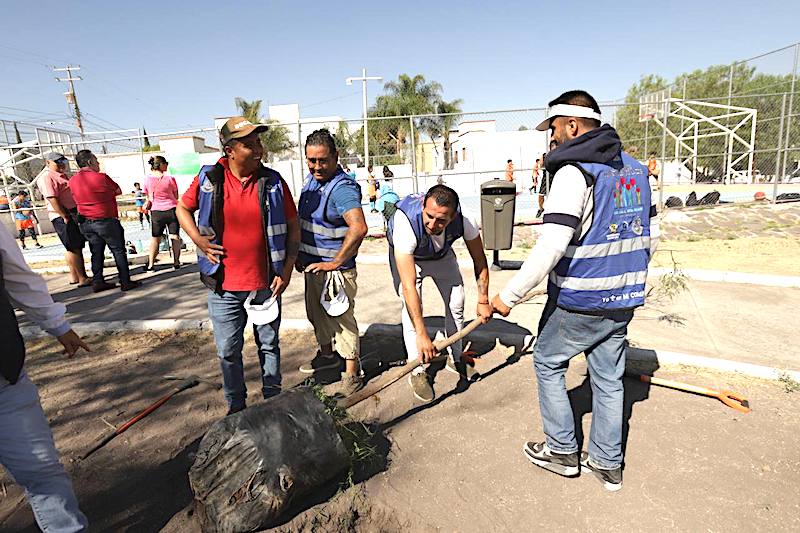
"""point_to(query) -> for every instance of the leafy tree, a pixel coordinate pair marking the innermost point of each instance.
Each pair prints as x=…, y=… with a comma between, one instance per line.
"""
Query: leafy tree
x=406, y=96
x=275, y=140
x=439, y=126
x=146, y=140
x=713, y=83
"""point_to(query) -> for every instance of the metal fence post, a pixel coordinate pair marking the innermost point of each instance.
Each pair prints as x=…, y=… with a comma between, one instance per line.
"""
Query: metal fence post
x=300, y=153
x=788, y=131
x=778, y=151
x=663, y=156
x=413, y=153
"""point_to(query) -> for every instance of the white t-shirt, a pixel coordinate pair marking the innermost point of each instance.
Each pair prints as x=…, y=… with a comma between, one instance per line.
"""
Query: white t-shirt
x=405, y=241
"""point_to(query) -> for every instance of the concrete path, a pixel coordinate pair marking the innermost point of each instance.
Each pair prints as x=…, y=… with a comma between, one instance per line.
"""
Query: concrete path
x=741, y=322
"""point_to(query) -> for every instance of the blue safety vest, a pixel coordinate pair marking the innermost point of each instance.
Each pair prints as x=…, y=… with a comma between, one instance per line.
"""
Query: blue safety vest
x=412, y=206
x=322, y=228
x=606, y=270
x=273, y=217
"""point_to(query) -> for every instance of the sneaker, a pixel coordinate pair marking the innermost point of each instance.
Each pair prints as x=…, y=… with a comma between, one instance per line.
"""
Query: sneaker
x=39, y=245
x=102, y=286
x=421, y=385
x=563, y=464
x=126, y=286
x=612, y=479
x=347, y=386
x=539, y=213
x=321, y=362
x=463, y=368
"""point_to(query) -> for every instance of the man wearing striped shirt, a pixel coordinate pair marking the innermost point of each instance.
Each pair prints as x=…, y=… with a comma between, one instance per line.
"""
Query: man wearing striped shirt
x=599, y=232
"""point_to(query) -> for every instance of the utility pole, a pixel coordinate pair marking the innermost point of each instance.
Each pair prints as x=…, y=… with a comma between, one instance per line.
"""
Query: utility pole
x=70, y=95
x=364, y=79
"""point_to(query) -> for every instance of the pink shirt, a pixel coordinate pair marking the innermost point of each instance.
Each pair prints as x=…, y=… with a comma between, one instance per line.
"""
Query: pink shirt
x=54, y=184
x=162, y=191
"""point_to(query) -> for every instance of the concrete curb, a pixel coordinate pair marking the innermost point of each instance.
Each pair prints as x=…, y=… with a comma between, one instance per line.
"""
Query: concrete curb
x=726, y=276
x=520, y=341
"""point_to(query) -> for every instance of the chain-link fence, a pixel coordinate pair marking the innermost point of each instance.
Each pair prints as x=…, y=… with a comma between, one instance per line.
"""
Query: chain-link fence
x=731, y=132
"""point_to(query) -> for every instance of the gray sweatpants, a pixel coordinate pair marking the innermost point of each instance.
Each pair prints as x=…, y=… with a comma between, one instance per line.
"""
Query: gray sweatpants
x=445, y=274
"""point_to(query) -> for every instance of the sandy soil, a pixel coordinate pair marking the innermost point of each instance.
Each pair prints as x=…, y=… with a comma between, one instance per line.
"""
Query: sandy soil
x=691, y=463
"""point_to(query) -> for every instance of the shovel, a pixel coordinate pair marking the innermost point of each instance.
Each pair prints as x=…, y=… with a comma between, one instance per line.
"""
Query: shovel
x=729, y=398
x=397, y=373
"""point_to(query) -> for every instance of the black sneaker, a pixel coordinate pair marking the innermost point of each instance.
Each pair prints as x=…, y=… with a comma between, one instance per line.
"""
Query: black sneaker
x=321, y=362
x=563, y=464
x=125, y=286
x=539, y=213
x=612, y=479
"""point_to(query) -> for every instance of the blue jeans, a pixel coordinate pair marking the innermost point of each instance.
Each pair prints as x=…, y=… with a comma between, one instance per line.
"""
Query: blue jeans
x=229, y=318
x=563, y=335
x=102, y=232
x=28, y=452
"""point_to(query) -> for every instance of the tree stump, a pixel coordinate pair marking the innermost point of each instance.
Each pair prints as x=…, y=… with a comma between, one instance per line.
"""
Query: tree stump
x=251, y=466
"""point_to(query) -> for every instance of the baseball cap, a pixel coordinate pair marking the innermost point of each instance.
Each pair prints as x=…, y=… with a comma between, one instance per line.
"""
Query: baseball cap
x=568, y=110
x=54, y=156
x=238, y=127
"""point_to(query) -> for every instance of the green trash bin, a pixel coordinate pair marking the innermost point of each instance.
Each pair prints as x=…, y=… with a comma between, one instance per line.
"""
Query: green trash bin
x=498, y=201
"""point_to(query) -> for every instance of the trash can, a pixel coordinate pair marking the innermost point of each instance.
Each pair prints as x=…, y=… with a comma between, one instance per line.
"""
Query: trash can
x=498, y=201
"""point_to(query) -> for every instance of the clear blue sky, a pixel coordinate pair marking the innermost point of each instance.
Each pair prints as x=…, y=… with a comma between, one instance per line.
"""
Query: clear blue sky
x=166, y=65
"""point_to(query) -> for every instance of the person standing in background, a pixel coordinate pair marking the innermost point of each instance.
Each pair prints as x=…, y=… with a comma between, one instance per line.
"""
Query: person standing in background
x=63, y=211
x=372, y=190
x=162, y=199
x=509, y=171
x=96, y=194
x=139, y=201
x=24, y=217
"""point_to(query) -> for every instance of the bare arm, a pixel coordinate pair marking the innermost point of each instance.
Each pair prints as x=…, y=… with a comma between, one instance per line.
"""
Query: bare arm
x=356, y=231
x=481, y=268
x=186, y=220
x=279, y=283
x=58, y=208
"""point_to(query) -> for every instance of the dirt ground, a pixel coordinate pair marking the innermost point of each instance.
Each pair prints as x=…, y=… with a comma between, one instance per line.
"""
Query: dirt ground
x=455, y=464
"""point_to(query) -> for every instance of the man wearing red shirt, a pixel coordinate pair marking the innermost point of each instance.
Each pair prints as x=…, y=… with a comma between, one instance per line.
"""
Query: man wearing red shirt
x=96, y=196
x=242, y=262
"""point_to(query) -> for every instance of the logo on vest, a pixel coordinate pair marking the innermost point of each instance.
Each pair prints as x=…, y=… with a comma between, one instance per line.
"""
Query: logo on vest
x=636, y=226
x=627, y=195
x=207, y=186
x=613, y=232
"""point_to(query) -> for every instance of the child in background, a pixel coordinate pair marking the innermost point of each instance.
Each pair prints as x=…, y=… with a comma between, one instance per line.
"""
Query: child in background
x=139, y=199
x=25, y=218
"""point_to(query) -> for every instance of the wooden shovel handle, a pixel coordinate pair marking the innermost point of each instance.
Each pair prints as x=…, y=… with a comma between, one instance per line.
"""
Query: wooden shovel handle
x=729, y=398
x=397, y=373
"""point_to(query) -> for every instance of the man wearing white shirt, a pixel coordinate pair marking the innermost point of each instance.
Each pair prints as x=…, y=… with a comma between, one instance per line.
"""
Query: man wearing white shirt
x=26, y=443
x=421, y=234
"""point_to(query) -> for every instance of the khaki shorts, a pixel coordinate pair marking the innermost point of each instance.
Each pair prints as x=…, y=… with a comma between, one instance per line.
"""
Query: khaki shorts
x=343, y=329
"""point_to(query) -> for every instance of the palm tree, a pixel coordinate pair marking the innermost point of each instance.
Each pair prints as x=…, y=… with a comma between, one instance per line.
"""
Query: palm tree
x=276, y=141
x=406, y=96
x=447, y=116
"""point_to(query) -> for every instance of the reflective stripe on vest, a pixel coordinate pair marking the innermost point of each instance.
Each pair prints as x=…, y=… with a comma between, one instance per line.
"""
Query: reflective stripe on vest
x=322, y=228
x=271, y=211
x=412, y=206
x=607, y=269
